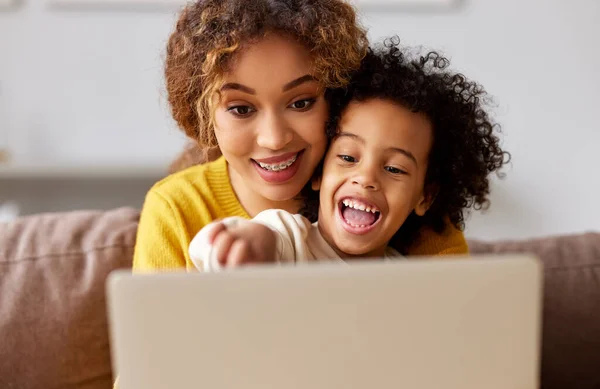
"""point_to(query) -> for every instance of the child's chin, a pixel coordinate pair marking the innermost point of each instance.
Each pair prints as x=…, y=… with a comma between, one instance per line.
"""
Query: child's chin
x=355, y=250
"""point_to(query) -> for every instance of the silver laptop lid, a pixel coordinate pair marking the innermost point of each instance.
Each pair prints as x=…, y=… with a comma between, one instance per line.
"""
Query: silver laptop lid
x=468, y=324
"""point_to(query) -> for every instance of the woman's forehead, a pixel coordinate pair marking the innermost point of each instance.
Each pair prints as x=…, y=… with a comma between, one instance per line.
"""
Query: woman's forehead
x=273, y=55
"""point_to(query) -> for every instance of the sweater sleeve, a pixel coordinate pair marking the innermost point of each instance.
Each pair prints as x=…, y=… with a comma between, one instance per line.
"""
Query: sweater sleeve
x=201, y=249
x=291, y=231
x=159, y=244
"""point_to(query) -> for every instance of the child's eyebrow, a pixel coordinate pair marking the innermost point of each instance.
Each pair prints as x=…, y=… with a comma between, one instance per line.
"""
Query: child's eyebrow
x=405, y=153
x=360, y=139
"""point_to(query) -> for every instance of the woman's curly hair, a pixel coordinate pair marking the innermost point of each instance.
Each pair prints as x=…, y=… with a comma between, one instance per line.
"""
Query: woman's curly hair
x=466, y=148
x=209, y=32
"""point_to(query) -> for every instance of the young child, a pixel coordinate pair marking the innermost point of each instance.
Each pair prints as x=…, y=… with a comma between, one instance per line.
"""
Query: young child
x=411, y=147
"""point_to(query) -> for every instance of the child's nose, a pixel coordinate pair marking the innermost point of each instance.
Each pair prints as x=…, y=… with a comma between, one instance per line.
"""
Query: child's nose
x=367, y=178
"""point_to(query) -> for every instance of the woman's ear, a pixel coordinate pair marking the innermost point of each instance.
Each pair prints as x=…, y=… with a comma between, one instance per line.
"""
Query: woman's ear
x=426, y=200
x=315, y=183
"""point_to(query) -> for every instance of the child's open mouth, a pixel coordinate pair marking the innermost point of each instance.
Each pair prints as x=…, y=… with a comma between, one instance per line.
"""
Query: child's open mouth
x=358, y=216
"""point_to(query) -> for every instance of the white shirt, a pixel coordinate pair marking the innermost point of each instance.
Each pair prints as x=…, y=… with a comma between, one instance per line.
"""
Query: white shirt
x=297, y=240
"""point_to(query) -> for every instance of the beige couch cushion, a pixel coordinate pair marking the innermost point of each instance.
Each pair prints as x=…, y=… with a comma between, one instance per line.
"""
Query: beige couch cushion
x=53, y=329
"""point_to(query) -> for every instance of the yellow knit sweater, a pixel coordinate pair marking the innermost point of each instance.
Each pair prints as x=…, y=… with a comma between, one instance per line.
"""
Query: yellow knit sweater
x=177, y=207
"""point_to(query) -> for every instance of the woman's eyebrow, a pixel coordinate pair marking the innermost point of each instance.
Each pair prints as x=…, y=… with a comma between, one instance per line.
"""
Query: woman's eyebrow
x=236, y=86
x=290, y=85
x=297, y=82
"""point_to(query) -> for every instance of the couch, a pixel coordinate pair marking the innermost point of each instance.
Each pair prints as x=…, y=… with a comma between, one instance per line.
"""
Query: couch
x=53, y=325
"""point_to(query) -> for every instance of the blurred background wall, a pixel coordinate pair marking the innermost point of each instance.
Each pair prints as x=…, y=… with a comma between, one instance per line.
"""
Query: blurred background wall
x=84, y=121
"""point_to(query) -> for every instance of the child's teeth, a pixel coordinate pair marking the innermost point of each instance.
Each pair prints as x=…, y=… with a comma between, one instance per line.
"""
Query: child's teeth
x=357, y=225
x=359, y=206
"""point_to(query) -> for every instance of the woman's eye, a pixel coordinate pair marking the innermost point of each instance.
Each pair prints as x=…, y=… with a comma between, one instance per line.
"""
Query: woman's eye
x=240, y=110
x=302, y=104
x=394, y=170
x=347, y=158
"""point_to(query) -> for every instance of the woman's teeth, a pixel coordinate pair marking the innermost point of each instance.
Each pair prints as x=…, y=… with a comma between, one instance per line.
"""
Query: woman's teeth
x=360, y=206
x=275, y=167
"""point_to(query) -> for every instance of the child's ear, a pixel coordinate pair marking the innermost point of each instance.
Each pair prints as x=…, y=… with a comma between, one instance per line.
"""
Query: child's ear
x=315, y=183
x=426, y=200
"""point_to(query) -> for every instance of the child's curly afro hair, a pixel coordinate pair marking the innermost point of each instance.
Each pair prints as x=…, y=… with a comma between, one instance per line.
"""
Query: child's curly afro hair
x=466, y=148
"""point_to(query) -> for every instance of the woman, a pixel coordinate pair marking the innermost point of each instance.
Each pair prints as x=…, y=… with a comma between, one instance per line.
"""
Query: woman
x=249, y=78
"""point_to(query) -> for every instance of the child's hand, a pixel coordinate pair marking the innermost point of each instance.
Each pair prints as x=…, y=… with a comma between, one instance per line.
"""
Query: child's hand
x=242, y=244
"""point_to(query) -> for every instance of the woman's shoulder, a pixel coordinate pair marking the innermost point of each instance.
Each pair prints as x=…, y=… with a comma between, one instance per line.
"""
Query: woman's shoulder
x=176, y=208
x=200, y=189
x=195, y=178
x=451, y=241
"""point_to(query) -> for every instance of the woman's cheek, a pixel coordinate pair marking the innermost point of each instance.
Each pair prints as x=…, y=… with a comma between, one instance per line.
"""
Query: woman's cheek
x=232, y=135
x=314, y=129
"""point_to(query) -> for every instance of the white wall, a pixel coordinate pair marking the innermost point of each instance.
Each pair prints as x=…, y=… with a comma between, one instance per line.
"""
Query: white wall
x=83, y=88
x=87, y=85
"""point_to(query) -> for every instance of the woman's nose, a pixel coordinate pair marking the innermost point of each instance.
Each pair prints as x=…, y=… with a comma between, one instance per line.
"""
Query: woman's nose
x=273, y=132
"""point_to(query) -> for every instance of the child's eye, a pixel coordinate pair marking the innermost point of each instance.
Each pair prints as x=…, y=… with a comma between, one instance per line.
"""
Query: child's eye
x=303, y=104
x=346, y=158
x=394, y=170
x=240, y=110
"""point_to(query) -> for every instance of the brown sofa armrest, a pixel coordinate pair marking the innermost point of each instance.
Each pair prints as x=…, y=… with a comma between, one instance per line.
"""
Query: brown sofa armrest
x=571, y=317
x=53, y=326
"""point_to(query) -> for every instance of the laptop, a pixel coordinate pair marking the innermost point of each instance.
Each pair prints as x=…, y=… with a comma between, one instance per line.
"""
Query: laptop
x=429, y=324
